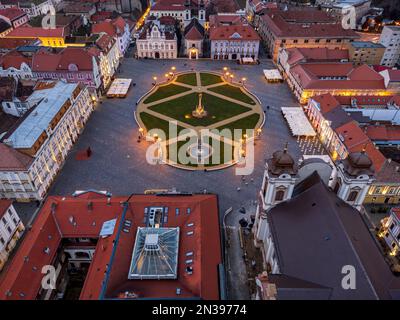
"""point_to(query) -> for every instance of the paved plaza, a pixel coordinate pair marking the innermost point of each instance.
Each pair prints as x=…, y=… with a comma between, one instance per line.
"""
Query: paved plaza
x=118, y=163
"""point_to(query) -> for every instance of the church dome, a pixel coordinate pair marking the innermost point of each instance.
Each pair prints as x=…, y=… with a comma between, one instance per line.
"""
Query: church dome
x=282, y=162
x=358, y=163
x=360, y=160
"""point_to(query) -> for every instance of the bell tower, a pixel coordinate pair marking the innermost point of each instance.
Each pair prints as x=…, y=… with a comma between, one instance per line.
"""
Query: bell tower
x=188, y=13
x=355, y=175
x=280, y=177
x=202, y=13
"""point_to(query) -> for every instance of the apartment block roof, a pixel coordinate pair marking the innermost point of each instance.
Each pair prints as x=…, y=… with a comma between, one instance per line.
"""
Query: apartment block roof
x=69, y=59
x=107, y=278
x=297, y=55
x=337, y=76
x=12, y=13
x=306, y=23
x=355, y=140
x=169, y=5
x=113, y=27
x=13, y=43
x=33, y=126
x=383, y=132
x=35, y=32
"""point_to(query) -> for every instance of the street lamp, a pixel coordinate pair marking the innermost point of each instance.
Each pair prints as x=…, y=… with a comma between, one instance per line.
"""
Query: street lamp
x=225, y=69
x=155, y=80
x=231, y=75
x=243, y=81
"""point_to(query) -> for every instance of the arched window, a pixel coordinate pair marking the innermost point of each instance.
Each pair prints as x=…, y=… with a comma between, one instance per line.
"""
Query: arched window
x=279, y=195
x=353, y=195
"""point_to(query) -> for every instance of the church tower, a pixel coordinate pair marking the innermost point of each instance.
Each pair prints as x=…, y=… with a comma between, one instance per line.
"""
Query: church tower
x=280, y=177
x=188, y=13
x=355, y=175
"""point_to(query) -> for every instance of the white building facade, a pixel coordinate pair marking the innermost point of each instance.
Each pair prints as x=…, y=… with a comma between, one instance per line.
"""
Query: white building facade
x=182, y=10
x=390, y=231
x=390, y=38
x=156, y=43
x=11, y=228
x=46, y=135
x=23, y=71
x=234, y=42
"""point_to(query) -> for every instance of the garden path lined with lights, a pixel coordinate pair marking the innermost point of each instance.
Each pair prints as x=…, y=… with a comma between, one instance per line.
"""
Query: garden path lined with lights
x=229, y=105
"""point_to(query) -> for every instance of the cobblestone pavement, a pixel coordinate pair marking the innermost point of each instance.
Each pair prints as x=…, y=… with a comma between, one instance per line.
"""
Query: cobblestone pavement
x=118, y=163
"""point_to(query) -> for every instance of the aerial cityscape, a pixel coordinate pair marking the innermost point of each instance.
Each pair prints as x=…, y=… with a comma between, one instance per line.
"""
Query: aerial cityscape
x=229, y=150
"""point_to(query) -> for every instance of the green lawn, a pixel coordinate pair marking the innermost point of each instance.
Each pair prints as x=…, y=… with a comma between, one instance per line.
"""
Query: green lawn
x=188, y=78
x=165, y=92
x=248, y=122
x=181, y=109
x=233, y=92
x=209, y=79
x=211, y=142
x=152, y=122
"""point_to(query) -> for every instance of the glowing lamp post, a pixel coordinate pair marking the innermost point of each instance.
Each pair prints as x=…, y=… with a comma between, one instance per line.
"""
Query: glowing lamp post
x=243, y=81
x=231, y=76
x=155, y=80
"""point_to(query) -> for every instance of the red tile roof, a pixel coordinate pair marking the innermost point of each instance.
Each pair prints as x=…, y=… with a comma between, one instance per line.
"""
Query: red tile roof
x=12, y=13
x=316, y=55
x=383, y=132
x=14, y=59
x=13, y=160
x=193, y=34
x=245, y=32
x=169, y=5
x=327, y=102
x=356, y=140
x=362, y=77
x=306, y=23
x=36, y=32
x=13, y=43
x=113, y=28
x=4, y=205
x=101, y=16
x=44, y=60
x=71, y=217
x=364, y=100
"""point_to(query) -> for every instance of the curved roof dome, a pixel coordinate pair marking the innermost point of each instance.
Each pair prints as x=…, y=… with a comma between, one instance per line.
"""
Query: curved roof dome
x=282, y=162
x=358, y=163
x=360, y=160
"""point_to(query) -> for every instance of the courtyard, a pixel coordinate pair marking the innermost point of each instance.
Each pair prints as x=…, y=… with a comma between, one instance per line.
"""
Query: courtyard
x=118, y=163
